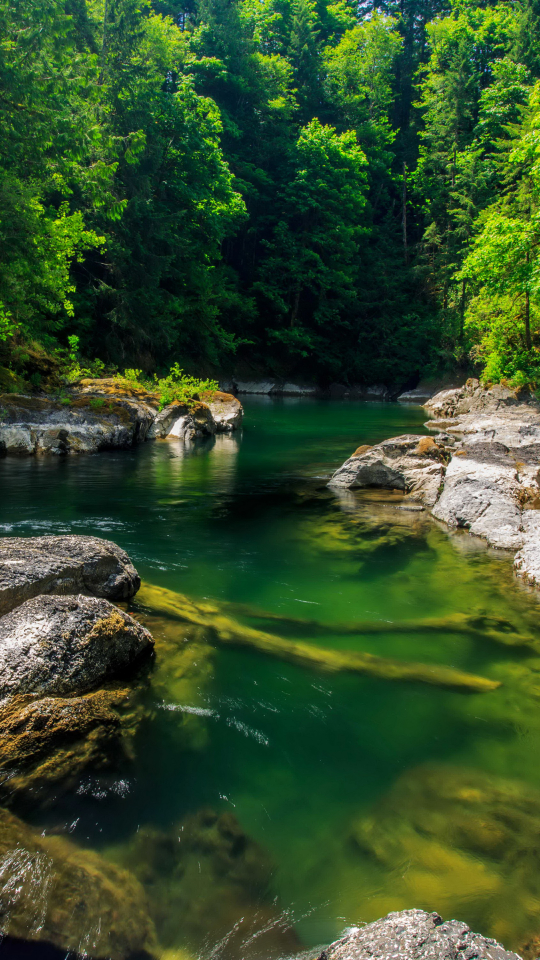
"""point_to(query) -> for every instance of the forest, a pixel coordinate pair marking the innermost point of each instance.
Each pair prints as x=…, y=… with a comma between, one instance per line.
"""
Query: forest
x=339, y=190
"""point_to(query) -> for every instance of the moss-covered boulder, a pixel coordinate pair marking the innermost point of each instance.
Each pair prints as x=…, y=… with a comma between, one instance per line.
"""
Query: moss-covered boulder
x=207, y=880
x=47, y=744
x=456, y=840
x=53, y=892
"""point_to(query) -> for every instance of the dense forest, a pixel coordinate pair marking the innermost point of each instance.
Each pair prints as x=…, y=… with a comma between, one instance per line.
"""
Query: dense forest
x=339, y=190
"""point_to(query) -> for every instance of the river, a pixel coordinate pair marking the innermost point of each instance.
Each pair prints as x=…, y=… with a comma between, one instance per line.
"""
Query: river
x=308, y=800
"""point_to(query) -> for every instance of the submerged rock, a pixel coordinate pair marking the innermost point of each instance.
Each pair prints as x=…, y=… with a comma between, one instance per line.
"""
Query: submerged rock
x=409, y=463
x=55, y=893
x=415, y=935
x=47, y=744
x=61, y=645
x=447, y=835
x=63, y=565
x=209, y=883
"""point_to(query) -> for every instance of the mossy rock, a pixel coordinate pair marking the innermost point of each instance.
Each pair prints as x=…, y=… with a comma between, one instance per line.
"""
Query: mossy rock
x=54, y=892
x=47, y=744
x=206, y=880
x=461, y=842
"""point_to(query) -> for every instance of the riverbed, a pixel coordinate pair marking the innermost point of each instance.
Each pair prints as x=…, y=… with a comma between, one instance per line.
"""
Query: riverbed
x=344, y=796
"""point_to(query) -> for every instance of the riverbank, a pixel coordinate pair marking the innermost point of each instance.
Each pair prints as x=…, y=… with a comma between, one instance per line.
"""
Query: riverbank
x=480, y=471
x=107, y=414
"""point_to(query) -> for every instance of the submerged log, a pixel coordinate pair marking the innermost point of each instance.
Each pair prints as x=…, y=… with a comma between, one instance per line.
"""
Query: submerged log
x=496, y=629
x=226, y=630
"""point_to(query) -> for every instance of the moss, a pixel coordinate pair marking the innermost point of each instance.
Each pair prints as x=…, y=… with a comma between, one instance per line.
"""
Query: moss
x=224, y=629
x=47, y=744
x=363, y=448
x=56, y=893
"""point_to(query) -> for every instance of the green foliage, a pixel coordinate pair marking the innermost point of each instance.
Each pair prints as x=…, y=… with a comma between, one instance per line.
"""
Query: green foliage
x=175, y=386
x=315, y=188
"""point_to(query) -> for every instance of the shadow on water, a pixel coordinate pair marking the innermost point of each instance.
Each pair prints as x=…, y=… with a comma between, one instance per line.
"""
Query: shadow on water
x=269, y=801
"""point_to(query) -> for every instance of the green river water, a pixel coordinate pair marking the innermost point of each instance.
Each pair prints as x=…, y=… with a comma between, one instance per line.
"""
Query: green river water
x=358, y=794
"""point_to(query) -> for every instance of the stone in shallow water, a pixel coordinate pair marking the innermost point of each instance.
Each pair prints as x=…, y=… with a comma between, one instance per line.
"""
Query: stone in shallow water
x=63, y=645
x=63, y=565
x=53, y=892
x=415, y=935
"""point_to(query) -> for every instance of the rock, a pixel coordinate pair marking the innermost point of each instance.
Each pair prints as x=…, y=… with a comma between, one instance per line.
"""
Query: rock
x=527, y=559
x=106, y=414
x=407, y=463
x=207, y=880
x=255, y=386
x=474, y=398
x=62, y=645
x=63, y=565
x=484, y=498
x=47, y=744
x=227, y=412
x=55, y=893
x=415, y=935
x=296, y=390
x=76, y=424
x=490, y=439
x=465, y=836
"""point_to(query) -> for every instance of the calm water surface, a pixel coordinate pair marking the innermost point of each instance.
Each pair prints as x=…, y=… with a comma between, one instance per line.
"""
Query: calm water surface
x=344, y=796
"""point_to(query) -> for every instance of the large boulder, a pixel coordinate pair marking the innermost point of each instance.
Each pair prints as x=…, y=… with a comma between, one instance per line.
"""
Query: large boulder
x=47, y=744
x=62, y=645
x=409, y=463
x=76, y=423
x=63, y=565
x=415, y=935
x=55, y=893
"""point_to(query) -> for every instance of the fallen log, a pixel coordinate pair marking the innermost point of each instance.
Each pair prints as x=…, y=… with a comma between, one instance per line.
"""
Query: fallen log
x=228, y=631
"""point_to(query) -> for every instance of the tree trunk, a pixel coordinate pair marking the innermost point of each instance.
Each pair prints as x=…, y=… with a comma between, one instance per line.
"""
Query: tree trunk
x=404, y=213
x=296, y=304
x=528, y=343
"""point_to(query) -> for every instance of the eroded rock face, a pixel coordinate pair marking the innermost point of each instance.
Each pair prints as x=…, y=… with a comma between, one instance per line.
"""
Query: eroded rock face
x=106, y=414
x=47, y=744
x=410, y=463
x=63, y=565
x=63, y=645
x=77, y=424
x=53, y=892
x=415, y=935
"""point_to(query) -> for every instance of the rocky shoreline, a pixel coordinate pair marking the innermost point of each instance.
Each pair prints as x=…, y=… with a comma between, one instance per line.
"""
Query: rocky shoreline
x=105, y=415
x=480, y=470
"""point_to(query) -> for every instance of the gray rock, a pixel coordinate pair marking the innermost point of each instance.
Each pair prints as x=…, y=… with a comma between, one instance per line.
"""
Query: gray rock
x=63, y=645
x=410, y=463
x=63, y=565
x=81, y=423
x=255, y=386
x=415, y=935
x=227, y=412
x=527, y=560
